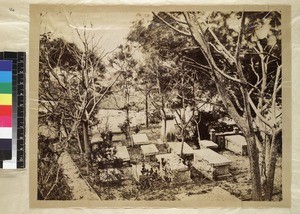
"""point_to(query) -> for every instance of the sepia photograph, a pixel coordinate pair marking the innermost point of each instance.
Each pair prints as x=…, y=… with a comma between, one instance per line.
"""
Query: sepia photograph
x=176, y=106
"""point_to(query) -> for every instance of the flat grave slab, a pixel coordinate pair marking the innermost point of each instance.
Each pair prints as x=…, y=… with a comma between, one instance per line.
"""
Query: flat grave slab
x=208, y=144
x=236, y=144
x=149, y=151
x=122, y=153
x=175, y=147
x=211, y=164
x=140, y=139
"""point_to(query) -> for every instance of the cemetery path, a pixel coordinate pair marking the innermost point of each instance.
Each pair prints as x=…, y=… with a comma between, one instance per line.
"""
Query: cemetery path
x=216, y=194
x=79, y=187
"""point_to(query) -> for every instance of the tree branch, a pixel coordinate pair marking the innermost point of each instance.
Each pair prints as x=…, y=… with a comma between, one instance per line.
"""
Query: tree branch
x=176, y=19
x=228, y=76
x=263, y=119
x=171, y=26
x=55, y=183
x=218, y=77
x=224, y=52
x=239, y=39
x=104, y=94
x=275, y=92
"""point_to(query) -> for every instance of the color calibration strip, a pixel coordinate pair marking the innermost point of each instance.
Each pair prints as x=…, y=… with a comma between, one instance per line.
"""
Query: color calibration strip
x=17, y=110
x=5, y=110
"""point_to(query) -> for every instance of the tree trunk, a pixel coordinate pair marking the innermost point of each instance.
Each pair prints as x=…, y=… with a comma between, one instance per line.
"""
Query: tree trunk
x=127, y=124
x=146, y=111
x=254, y=169
x=267, y=153
x=60, y=127
x=271, y=166
x=263, y=166
x=182, y=142
x=164, y=126
x=87, y=148
x=127, y=113
x=183, y=122
x=198, y=129
x=198, y=135
x=79, y=142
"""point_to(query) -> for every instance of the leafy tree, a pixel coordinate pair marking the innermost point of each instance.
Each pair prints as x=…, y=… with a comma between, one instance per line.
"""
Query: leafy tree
x=161, y=83
x=51, y=183
x=55, y=95
x=125, y=64
x=244, y=63
x=169, y=71
x=71, y=86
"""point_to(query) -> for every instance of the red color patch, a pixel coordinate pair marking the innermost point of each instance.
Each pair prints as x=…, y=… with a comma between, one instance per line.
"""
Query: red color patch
x=5, y=110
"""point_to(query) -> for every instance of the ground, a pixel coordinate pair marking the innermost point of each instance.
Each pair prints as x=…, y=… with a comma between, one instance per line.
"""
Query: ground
x=237, y=186
x=240, y=184
x=79, y=187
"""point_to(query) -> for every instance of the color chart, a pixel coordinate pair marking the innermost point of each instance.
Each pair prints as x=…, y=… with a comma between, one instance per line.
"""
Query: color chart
x=5, y=110
x=12, y=104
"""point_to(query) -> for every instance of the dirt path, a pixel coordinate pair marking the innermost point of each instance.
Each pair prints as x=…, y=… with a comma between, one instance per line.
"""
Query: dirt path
x=217, y=194
x=80, y=189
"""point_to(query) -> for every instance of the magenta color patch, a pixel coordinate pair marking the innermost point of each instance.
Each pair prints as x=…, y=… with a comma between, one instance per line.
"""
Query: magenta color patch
x=5, y=121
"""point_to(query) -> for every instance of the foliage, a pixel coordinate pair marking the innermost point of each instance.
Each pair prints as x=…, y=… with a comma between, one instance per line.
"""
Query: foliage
x=168, y=74
x=124, y=62
x=71, y=86
x=125, y=127
x=51, y=182
x=70, y=90
x=240, y=54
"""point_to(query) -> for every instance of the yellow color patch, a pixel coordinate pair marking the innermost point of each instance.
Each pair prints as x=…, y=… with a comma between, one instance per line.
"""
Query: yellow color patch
x=5, y=99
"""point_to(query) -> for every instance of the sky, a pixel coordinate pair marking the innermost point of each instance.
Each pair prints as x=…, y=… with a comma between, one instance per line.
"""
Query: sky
x=113, y=27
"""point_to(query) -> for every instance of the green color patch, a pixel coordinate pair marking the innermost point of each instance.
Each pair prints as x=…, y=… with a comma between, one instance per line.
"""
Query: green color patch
x=5, y=88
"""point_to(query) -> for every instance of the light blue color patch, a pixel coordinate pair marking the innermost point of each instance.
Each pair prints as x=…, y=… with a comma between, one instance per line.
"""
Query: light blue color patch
x=5, y=76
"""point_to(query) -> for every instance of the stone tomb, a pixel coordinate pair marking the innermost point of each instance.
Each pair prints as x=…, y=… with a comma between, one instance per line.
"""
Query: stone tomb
x=173, y=162
x=117, y=139
x=208, y=144
x=140, y=139
x=175, y=148
x=236, y=144
x=149, y=152
x=211, y=164
x=137, y=171
x=173, y=169
x=110, y=175
x=96, y=138
x=122, y=153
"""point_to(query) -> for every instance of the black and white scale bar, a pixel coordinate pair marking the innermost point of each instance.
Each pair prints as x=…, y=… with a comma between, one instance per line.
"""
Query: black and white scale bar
x=18, y=109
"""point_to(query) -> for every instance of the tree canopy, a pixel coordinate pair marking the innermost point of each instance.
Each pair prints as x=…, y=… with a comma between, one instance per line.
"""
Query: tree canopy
x=237, y=54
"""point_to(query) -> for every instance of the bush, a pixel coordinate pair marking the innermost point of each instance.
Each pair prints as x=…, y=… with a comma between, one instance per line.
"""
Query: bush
x=52, y=185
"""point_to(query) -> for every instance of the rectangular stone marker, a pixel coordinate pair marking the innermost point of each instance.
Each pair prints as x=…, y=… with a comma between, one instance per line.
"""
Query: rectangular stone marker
x=236, y=144
x=140, y=139
x=149, y=152
x=211, y=164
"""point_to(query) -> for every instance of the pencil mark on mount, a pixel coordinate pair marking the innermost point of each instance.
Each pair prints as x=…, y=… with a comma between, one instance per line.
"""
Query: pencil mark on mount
x=167, y=106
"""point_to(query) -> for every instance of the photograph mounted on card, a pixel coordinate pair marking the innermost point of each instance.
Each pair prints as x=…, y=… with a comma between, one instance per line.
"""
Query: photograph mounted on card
x=171, y=106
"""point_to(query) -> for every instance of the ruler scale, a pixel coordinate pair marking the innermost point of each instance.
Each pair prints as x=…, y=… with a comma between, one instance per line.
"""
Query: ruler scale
x=6, y=110
x=18, y=109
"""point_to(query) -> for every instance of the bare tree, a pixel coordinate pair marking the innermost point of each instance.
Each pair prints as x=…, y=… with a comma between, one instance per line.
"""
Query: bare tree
x=251, y=103
x=75, y=75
